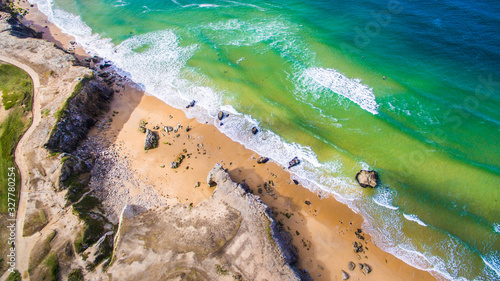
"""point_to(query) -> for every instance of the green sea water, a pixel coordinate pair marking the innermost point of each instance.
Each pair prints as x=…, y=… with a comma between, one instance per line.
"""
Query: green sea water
x=310, y=74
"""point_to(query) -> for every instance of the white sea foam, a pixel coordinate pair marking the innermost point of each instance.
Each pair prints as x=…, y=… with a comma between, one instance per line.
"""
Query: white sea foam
x=414, y=218
x=340, y=84
x=384, y=198
x=496, y=227
x=493, y=262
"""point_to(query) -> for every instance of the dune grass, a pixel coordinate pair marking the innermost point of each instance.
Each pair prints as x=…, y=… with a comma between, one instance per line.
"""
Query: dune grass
x=17, y=98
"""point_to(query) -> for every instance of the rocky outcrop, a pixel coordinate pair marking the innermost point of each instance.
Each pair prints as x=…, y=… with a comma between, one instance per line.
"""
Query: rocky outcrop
x=230, y=236
x=151, y=140
x=367, y=178
x=79, y=114
x=16, y=28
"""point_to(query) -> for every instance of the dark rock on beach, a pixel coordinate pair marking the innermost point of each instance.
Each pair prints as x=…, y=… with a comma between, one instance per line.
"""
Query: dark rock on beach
x=168, y=129
x=79, y=115
x=221, y=115
x=358, y=247
x=367, y=178
x=295, y=161
x=345, y=275
x=262, y=160
x=255, y=130
x=351, y=266
x=151, y=140
x=366, y=268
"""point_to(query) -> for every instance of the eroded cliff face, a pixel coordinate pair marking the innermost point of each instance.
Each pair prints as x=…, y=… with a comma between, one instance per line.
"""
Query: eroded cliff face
x=79, y=114
x=229, y=236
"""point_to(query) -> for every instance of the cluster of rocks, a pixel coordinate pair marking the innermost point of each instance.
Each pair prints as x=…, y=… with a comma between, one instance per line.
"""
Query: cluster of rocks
x=358, y=234
x=112, y=178
x=358, y=247
x=191, y=104
x=175, y=164
x=363, y=267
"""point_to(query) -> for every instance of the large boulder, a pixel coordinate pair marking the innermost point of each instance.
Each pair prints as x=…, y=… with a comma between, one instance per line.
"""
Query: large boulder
x=367, y=178
x=151, y=140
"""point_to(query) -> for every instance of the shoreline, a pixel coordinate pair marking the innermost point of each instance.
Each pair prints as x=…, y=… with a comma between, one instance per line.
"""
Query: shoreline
x=323, y=230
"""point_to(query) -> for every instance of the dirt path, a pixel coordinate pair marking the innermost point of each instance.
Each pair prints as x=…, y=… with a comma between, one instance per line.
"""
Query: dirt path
x=24, y=244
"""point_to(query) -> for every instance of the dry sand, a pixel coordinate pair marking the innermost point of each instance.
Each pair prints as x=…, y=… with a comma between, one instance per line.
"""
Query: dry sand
x=323, y=231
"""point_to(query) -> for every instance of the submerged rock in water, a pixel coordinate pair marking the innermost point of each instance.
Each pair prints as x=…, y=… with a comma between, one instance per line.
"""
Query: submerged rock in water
x=255, y=130
x=151, y=140
x=262, y=160
x=367, y=178
x=295, y=161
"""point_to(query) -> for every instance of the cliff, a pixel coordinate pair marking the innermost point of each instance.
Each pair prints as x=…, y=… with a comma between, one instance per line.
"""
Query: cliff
x=229, y=236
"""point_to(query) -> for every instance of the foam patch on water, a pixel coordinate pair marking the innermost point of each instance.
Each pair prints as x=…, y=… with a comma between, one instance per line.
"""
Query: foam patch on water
x=496, y=227
x=384, y=198
x=280, y=34
x=338, y=83
x=414, y=218
x=493, y=262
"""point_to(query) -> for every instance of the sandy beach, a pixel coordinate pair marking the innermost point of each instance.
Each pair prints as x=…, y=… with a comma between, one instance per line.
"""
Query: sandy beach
x=323, y=229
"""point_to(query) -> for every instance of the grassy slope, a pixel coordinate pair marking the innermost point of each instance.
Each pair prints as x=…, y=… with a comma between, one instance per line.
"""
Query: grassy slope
x=17, y=97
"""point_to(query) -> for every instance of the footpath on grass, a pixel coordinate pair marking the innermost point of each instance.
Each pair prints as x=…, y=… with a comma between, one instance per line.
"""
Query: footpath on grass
x=14, y=131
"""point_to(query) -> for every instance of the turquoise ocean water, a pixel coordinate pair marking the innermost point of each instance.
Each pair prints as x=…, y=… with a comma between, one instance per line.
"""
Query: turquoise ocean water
x=310, y=75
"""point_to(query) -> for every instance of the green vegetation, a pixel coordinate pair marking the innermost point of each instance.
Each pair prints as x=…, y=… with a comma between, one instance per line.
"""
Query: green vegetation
x=35, y=222
x=14, y=276
x=16, y=87
x=77, y=186
x=79, y=86
x=17, y=98
x=53, y=266
x=221, y=270
x=75, y=275
x=41, y=250
x=94, y=228
x=15, y=10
